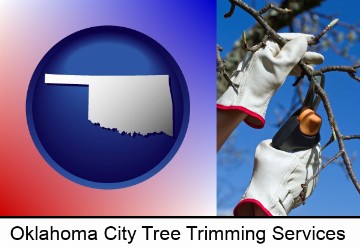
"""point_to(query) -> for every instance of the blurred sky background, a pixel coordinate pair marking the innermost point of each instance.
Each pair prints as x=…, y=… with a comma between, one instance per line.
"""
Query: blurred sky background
x=335, y=194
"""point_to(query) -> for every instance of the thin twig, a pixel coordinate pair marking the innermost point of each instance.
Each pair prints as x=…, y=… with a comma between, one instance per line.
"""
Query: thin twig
x=355, y=77
x=221, y=67
x=280, y=40
x=337, y=155
x=231, y=11
x=338, y=134
x=351, y=70
x=331, y=140
x=272, y=6
x=317, y=38
x=254, y=48
x=336, y=68
x=220, y=63
x=350, y=137
x=298, y=80
x=304, y=186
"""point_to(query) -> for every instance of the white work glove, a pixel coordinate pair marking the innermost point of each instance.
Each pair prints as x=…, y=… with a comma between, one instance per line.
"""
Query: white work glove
x=277, y=180
x=259, y=75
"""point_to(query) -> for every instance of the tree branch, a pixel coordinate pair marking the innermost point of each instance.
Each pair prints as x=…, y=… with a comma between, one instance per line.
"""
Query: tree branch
x=220, y=67
x=323, y=32
x=336, y=68
x=231, y=11
x=260, y=20
x=262, y=44
x=339, y=136
x=272, y=6
x=351, y=70
x=350, y=137
x=337, y=155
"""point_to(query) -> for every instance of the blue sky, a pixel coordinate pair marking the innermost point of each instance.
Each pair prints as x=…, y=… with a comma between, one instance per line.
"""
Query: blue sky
x=335, y=195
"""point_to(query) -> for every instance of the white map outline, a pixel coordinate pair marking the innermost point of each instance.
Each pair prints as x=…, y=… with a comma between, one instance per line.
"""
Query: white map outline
x=139, y=104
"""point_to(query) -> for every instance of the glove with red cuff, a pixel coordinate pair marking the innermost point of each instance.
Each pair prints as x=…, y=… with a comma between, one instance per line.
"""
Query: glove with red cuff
x=277, y=179
x=260, y=74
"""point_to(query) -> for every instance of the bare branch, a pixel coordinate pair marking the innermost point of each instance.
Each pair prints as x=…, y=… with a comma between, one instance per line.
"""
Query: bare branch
x=338, y=134
x=231, y=11
x=280, y=40
x=350, y=137
x=337, y=155
x=262, y=44
x=336, y=68
x=305, y=185
x=355, y=77
x=331, y=140
x=345, y=138
x=272, y=6
x=221, y=67
x=220, y=64
x=298, y=80
x=351, y=70
x=317, y=38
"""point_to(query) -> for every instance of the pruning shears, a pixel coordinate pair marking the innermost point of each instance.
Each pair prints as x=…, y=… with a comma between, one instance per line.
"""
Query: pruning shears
x=301, y=130
x=312, y=100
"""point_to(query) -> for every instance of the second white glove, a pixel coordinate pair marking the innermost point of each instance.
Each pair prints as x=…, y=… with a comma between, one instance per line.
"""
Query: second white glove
x=277, y=177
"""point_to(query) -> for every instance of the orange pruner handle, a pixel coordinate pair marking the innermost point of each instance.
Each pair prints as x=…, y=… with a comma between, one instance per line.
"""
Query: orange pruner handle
x=309, y=121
